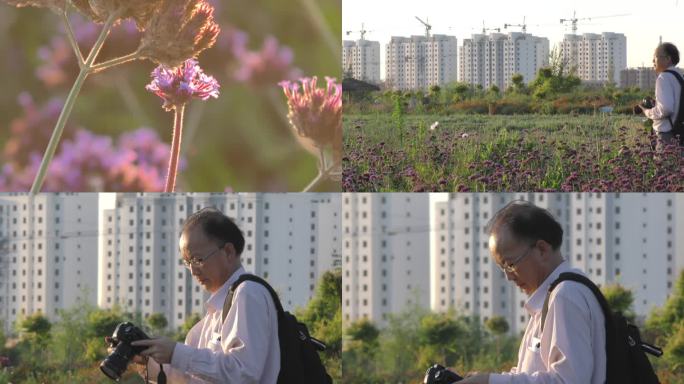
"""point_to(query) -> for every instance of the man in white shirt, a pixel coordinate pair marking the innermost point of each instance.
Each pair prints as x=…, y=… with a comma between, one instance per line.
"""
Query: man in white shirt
x=525, y=243
x=242, y=349
x=667, y=92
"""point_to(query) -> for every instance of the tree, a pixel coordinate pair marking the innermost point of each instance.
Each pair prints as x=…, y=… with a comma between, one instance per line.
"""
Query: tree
x=103, y=322
x=518, y=83
x=497, y=325
x=663, y=320
x=157, y=322
x=619, y=299
x=36, y=325
x=363, y=331
x=189, y=322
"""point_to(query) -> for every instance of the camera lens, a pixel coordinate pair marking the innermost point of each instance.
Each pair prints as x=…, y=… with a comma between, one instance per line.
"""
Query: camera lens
x=116, y=363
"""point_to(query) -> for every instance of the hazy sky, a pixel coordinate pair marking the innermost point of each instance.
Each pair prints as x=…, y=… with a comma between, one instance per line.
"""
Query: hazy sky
x=647, y=20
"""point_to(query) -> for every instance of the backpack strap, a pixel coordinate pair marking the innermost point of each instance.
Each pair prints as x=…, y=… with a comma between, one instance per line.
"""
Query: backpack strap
x=249, y=277
x=576, y=277
x=680, y=111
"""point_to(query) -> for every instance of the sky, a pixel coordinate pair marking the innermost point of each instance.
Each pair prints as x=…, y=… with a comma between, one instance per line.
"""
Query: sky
x=644, y=24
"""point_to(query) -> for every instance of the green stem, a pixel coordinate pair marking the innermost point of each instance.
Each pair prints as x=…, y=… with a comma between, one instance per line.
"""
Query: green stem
x=114, y=62
x=72, y=38
x=69, y=105
x=175, y=149
x=318, y=19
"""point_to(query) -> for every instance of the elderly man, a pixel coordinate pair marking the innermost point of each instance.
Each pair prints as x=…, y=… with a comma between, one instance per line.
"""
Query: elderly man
x=242, y=349
x=667, y=92
x=525, y=243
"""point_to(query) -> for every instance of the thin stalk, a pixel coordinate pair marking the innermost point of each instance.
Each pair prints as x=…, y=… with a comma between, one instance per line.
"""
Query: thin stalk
x=114, y=62
x=315, y=14
x=320, y=177
x=72, y=38
x=175, y=149
x=69, y=104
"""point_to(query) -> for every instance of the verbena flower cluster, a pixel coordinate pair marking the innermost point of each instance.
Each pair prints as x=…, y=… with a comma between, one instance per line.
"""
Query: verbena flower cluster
x=316, y=113
x=176, y=86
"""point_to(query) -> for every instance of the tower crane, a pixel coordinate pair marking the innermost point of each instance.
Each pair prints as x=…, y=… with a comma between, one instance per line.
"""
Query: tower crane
x=523, y=26
x=573, y=21
x=484, y=30
x=428, y=27
x=363, y=32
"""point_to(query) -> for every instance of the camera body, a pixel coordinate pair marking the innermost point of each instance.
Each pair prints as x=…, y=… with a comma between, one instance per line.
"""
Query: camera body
x=117, y=362
x=438, y=374
x=647, y=102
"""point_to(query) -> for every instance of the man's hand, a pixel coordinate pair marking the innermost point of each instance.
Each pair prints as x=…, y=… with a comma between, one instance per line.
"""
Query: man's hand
x=160, y=349
x=476, y=378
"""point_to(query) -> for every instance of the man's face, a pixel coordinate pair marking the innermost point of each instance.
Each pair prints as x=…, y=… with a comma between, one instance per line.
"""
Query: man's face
x=210, y=263
x=516, y=258
x=661, y=61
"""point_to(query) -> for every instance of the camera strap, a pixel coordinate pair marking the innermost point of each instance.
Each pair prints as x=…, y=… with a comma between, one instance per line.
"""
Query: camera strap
x=161, y=377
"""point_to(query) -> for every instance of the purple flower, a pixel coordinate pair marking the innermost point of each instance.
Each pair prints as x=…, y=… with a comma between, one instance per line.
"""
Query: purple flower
x=176, y=86
x=270, y=65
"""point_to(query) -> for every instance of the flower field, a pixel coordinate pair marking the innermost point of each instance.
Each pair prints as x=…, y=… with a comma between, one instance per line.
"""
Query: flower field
x=416, y=153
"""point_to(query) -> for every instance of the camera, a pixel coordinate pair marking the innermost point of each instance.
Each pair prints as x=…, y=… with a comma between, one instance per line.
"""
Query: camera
x=437, y=374
x=647, y=102
x=115, y=364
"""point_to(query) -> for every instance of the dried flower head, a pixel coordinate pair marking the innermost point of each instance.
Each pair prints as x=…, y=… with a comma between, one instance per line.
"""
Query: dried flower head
x=316, y=113
x=55, y=5
x=180, y=30
x=140, y=11
x=176, y=86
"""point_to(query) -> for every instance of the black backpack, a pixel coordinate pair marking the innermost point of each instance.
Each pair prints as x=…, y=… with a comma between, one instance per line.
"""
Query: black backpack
x=626, y=361
x=678, y=124
x=299, y=360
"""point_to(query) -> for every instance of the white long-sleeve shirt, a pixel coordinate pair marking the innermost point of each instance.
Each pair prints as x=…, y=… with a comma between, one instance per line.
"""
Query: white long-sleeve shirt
x=243, y=350
x=572, y=348
x=668, y=93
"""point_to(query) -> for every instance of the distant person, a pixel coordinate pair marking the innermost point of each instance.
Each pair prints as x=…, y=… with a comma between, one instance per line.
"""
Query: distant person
x=525, y=243
x=665, y=110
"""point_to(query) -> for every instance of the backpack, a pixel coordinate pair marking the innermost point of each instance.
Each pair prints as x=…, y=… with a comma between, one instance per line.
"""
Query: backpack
x=299, y=360
x=626, y=361
x=678, y=124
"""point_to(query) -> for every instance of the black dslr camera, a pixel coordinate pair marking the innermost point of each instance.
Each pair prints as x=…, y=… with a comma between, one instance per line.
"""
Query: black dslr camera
x=647, y=102
x=116, y=363
x=437, y=374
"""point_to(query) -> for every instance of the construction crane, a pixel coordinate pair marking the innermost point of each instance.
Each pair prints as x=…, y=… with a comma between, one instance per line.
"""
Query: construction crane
x=363, y=32
x=484, y=30
x=574, y=20
x=523, y=25
x=428, y=27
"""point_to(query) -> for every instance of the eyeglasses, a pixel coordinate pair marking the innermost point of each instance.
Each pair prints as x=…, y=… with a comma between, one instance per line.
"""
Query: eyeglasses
x=511, y=267
x=199, y=261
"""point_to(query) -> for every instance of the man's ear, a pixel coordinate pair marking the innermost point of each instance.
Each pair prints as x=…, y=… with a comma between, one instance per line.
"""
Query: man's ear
x=230, y=250
x=545, y=247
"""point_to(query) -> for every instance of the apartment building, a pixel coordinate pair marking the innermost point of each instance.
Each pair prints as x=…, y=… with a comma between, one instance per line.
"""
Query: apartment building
x=614, y=238
x=361, y=60
x=492, y=60
x=48, y=254
x=596, y=58
x=643, y=77
x=290, y=239
x=419, y=62
x=385, y=254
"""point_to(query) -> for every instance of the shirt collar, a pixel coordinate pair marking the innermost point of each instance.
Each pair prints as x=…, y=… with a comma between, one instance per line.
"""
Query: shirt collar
x=215, y=302
x=536, y=301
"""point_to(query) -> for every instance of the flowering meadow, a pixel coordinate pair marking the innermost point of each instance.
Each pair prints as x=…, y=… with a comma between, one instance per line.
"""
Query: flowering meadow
x=393, y=152
x=123, y=130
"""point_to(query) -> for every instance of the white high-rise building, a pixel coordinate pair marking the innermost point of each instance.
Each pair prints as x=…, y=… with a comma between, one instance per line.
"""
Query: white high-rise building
x=385, y=254
x=595, y=58
x=48, y=254
x=290, y=240
x=493, y=59
x=361, y=59
x=419, y=62
x=614, y=238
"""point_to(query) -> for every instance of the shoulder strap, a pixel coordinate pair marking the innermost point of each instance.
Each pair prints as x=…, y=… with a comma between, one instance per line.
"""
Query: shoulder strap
x=680, y=112
x=249, y=277
x=576, y=277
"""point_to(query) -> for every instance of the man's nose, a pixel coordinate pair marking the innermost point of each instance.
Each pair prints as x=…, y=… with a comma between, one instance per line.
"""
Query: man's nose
x=509, y=275
x=194, y=269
